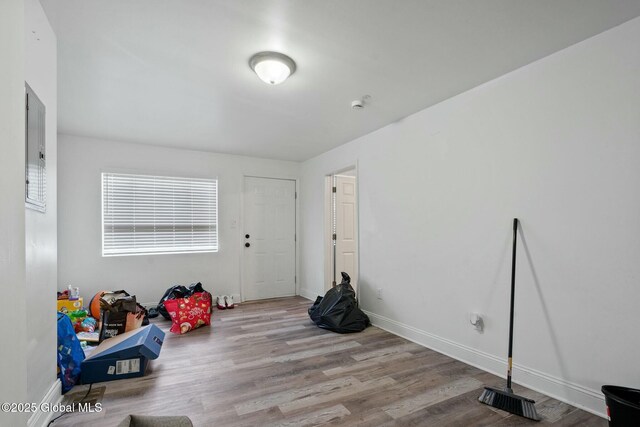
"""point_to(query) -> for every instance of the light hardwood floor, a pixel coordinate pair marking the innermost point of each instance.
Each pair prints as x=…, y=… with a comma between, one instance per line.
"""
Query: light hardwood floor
x=266, y=364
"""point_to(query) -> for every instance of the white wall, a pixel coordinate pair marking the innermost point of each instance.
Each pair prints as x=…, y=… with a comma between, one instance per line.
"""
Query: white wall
x=13, y=375
x=557, y=144
x=79, y=220
x=41, y=228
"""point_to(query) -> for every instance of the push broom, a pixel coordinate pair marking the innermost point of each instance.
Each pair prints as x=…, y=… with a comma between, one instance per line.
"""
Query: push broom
x=506, y=399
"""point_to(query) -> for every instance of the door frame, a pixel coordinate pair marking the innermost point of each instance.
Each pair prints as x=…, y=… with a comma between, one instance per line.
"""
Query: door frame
x=327, y=251
x=241, y=231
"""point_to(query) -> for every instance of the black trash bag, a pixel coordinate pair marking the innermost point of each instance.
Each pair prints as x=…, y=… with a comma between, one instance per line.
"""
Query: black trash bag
x=174, y=292
x=315, y=305
x=338, y=310
x=179, y=291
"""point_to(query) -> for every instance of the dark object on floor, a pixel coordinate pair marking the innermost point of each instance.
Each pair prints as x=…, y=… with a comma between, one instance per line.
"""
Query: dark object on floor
x=153, y=312
x=506, y=399
x=70, y=354
x=120, y=313
x=123, y=356
x=179, y=291
x=338, y=311
x=623, y=405
x=156, y=421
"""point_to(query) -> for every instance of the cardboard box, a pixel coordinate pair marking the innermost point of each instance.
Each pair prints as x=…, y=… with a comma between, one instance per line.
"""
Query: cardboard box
x=66, y=306
x=123, y=356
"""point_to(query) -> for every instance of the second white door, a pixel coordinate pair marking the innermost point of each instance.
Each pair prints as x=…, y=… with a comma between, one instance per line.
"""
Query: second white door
x=269, y=238
x=346, y=228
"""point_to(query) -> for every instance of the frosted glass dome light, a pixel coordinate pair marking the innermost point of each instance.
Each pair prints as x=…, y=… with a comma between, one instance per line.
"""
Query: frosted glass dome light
x=272, y=67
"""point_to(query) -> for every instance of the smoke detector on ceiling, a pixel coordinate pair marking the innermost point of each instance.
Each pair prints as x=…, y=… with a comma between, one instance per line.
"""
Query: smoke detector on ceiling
x=359, y=104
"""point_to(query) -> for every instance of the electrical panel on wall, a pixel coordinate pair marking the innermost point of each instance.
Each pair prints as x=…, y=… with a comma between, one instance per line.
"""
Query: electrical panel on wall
x=35, y=152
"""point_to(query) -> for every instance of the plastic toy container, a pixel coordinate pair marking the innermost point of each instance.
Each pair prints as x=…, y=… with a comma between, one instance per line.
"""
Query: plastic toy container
x=623, y=405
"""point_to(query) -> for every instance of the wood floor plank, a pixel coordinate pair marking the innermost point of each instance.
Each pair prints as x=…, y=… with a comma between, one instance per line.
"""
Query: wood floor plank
x=372, y=418
x=244, y=317
x=285, y=319
x=297, y=356
x=332, y=395
x=271, y=400
x=463, y=410
x=401, y=348
x=361, y=366
x=277, y=331
x=579, y=418
x=314, y=418
x=431, y=397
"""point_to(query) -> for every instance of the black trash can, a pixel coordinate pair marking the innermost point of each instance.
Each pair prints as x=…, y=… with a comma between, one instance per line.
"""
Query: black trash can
x=623, y=405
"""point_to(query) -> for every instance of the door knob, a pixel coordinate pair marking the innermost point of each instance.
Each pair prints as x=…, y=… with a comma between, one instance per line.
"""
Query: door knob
x=246, y=236
x=246, y=245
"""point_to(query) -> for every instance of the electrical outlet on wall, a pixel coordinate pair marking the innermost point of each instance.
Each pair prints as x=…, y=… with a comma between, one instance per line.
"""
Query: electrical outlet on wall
x=476, y=320
x=379, y=293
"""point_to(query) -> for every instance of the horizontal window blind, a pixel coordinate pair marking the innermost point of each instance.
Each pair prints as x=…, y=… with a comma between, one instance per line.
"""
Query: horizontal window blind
x=144, y=214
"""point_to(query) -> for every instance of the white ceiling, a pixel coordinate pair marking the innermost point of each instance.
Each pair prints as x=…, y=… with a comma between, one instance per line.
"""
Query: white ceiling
x=175, y=73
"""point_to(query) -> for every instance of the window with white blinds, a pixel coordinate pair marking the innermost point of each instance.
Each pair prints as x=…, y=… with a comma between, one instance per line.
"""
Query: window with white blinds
x=144, y=214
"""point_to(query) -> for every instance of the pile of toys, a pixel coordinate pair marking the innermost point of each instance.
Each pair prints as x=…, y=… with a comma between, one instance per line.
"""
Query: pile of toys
x=111, y=338
x=71, y=304
x=108, y=314
x=82, y=328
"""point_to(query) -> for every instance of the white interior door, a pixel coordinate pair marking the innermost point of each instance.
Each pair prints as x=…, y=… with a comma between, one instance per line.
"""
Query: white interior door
x=346, y=227
x=270, y=248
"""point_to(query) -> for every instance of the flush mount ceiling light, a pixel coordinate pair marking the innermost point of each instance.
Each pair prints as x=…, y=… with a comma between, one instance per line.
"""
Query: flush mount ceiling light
x=272, y=67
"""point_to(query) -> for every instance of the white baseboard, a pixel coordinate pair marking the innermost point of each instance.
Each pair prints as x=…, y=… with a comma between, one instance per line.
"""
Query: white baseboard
x=51, y=398
x=308, y=294
x=574, y=394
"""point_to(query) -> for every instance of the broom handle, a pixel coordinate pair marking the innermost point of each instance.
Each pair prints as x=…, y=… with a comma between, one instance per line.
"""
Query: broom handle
x=513, y=294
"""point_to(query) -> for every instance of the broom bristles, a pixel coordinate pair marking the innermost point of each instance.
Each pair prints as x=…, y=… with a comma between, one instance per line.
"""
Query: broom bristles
x=510, y=402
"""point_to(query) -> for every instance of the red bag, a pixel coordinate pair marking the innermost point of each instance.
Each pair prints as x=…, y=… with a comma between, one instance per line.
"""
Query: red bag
x=190, y=312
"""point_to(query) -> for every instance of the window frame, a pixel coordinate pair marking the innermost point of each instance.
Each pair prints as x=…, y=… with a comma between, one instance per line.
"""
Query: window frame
x=158, y=249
